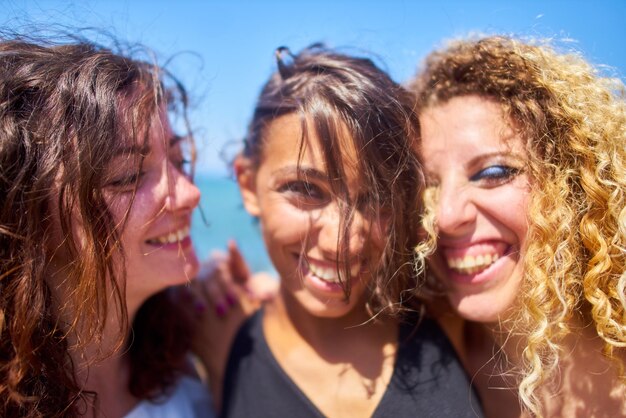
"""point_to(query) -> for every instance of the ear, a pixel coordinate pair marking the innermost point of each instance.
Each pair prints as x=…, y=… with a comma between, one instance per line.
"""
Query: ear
x=246, y=178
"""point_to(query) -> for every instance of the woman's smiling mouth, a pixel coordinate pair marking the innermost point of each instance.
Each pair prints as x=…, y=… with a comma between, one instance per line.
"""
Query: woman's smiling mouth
x=472, y=265
x=328, y=271
x=171, y=237
x=476, y=258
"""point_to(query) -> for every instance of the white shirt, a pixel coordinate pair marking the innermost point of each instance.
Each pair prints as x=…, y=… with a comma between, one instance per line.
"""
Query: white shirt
x=190, y=399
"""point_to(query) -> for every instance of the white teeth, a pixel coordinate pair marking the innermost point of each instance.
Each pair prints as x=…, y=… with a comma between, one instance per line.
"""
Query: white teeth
x=330, y=274
x=470, y=264
x=172, y=237
x=327, y=274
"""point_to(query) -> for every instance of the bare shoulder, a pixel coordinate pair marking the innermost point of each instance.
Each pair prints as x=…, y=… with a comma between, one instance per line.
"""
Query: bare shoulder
x=590, y=386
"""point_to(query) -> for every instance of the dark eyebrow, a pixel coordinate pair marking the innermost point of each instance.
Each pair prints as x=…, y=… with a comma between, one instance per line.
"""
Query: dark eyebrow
x=145, y=150
x=301, y=171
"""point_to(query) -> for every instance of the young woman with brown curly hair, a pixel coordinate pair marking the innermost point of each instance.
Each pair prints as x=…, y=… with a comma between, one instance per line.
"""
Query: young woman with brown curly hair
x=94, y=226
x=525, y=158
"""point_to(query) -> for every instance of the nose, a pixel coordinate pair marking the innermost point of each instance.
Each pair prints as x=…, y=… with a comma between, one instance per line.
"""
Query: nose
x=182, y=194
x=331, y=227
x=456, y=210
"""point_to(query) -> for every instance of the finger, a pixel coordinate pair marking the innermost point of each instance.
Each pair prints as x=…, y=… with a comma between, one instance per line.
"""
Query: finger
x=208, y=267
x=216, y=296
x=238, y=265
x=190, y=299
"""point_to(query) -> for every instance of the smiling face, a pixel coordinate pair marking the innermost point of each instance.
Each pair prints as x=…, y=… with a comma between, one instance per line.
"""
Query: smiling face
x=300, y=219
x=155, y=239
x=475, y=160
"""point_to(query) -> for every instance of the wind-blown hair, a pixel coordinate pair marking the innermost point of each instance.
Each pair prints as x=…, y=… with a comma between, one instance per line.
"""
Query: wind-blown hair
x=334, y=93
x=573, y=120
x=65, y=110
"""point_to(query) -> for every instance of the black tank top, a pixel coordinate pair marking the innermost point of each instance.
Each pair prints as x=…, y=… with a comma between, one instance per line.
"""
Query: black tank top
x=427, y=381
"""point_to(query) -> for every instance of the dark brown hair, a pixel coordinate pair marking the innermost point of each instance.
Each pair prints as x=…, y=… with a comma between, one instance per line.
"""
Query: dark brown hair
x=337, y=92
x=64, y=109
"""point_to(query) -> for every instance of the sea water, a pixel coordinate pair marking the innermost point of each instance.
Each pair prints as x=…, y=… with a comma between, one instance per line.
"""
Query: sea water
x=226, y=219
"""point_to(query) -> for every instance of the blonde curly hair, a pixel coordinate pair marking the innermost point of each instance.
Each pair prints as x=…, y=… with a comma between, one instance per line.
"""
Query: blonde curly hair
x=573, y=120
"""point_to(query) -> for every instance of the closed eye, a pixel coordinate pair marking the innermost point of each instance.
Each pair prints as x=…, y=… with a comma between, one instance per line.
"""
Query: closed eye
x=126, y=182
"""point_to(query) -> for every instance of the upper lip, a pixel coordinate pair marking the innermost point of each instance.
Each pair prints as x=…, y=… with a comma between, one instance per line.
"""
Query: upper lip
x=462, y=246
x=466, y=242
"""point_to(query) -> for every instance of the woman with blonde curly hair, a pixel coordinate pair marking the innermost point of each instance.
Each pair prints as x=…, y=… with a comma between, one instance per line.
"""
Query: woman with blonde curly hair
x=524, y=150
x=94, y=227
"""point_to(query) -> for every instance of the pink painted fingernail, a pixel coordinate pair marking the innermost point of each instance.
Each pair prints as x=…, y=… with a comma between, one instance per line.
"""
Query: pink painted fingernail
x=230, y=299
x=199, y=307
x=220, y=309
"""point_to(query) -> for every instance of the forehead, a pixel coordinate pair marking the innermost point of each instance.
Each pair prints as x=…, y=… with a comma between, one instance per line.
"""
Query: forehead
x=467, y=124
x=142, y=133
x=284, y=142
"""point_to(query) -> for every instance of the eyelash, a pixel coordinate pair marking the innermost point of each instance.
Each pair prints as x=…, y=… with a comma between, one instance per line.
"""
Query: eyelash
x=126, y=182
x=496, y=174
x=303, y=189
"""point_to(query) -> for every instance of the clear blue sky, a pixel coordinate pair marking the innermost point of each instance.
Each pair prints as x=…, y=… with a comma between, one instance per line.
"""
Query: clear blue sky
x=227, y=46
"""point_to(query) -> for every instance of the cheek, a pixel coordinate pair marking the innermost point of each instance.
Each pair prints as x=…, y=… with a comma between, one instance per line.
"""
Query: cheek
x=516, y=217
x=284, y=222
x=135, y=213
x=119, y=205
x=129, y=226
x=379, y=231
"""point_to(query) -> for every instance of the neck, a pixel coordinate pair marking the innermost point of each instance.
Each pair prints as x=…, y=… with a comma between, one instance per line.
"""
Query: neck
x=342, y=364
x=288, y=324
x=101, y=363
x=102, y=368
x=103, y=355
x=103, y=344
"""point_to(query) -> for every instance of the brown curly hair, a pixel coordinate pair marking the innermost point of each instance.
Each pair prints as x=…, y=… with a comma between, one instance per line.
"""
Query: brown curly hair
x=63, y=108
x=573, y=120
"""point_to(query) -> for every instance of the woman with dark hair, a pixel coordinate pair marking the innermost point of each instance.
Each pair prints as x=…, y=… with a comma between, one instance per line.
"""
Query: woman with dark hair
x=329, y=171
x=94, y=227
x=525, y=159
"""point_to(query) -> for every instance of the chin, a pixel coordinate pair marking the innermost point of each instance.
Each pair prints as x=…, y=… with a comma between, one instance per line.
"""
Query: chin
x=179, y=275
x=332, y=312
x=478, y=308
x=336, y=309
x=318, y=308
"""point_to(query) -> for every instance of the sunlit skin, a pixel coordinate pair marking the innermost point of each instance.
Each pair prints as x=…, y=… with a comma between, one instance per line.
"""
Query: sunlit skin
x=156, y=241
x=315, y=333
x=300, y=220
x=475, y=161
x=158, y=251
